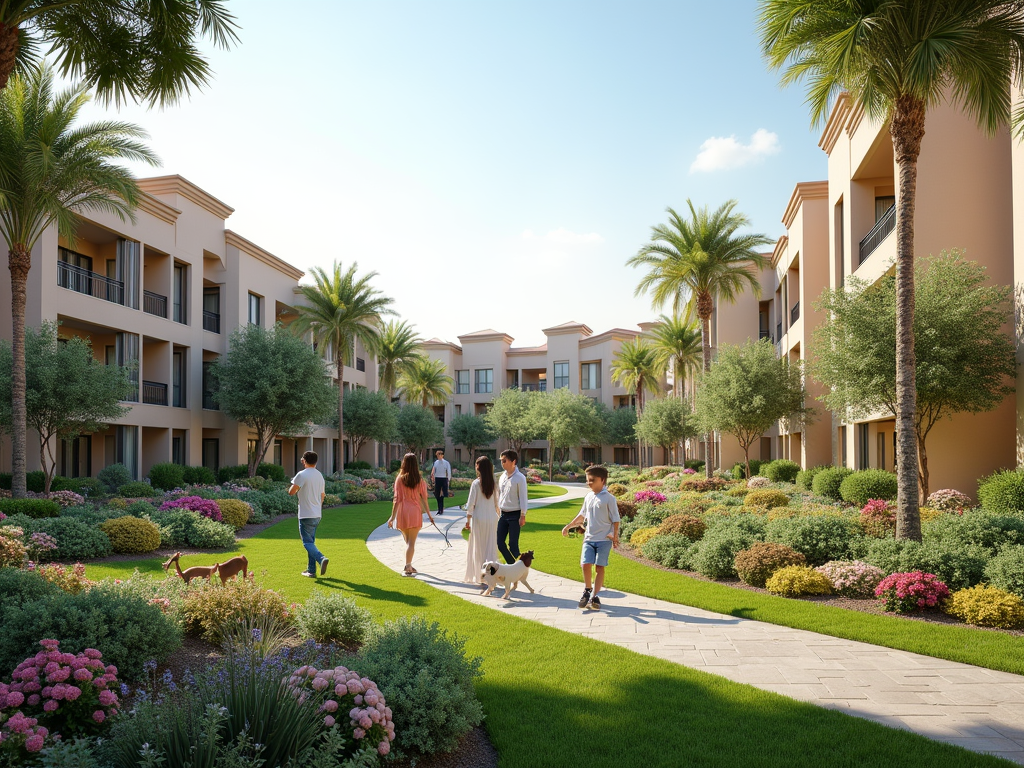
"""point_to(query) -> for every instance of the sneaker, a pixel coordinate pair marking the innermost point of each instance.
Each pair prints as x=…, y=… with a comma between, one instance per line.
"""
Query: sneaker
x=323, y=566
x=308, y=575
x=585, y=600
x=595, y=603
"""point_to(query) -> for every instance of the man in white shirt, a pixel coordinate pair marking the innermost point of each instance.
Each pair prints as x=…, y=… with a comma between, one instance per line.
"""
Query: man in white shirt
x=440, y=476
x=310, y=486
x=512, y=500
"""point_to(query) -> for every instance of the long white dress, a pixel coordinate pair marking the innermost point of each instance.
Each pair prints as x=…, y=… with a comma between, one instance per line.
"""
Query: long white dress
x=483, y=536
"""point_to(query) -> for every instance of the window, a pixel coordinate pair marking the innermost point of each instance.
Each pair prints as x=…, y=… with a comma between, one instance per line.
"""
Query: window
x=279, y=452
x=254, y=309
x=883, y=204
x=462, y=382
x=211, y=453
x=592, y=455
x=178, y=379
x=484, y=381
x=180, y=292
x=864, y=457
x=211, y=310
x=561, y=375
x=178, y=451
x=458, y=410
x=127, y=448
x=209, y=387
x=590, y=376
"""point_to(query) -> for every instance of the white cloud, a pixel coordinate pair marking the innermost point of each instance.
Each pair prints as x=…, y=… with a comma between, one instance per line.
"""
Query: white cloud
x=724, y=152
x=562, y=236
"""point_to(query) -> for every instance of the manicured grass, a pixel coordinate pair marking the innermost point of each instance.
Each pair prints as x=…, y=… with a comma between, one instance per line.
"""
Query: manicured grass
x=544, y=491
x=560, y=556
x=558, y=700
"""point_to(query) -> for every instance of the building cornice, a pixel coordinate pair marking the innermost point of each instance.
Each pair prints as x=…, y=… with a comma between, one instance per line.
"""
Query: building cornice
x=441, y=344
x=179, y=185
x=250, y=248
x=805, y=190
x=614, y=334
x=526, y=351
x=486, y=335
x=567, y=328
x=780, y=248
x=836, y=121
x=157, y=208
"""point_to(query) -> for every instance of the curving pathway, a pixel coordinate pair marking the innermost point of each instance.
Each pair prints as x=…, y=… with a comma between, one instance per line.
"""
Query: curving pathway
x=972, y=707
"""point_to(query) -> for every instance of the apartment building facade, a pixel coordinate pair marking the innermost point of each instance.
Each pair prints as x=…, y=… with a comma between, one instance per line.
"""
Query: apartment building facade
x=163, y=294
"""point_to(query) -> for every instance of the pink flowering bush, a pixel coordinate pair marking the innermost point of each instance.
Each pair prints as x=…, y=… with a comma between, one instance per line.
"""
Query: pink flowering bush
x=852, y=578
x=878, y=518
x=39, y=544
x=910, y=592
x=71, y=694
x=689, y=471
x=71, y=579
x=349, y=701
x=20, y=734
x=372, y=482
x=67, y=498
x=649, y=496
x=757, y=481
x=205, y=507
x=949, y=500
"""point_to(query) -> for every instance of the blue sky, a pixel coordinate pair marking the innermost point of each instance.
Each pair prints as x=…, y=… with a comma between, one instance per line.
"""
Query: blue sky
x=495, y=162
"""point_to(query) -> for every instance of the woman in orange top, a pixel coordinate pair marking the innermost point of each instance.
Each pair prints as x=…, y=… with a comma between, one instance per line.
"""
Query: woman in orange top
x=409, y=506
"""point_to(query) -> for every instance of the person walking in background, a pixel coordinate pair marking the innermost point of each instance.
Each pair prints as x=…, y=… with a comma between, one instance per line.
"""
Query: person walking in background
x=512, y=500
x=482, y=520
x=409, y=506
x=310, y=486
x=601, y=513
x=440, y=476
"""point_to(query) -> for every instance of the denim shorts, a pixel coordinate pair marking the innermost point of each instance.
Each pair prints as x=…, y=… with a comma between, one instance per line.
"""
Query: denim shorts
x=596, y=552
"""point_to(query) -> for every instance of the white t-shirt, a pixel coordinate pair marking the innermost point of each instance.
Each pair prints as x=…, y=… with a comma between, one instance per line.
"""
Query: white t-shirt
x=442, y=469
x=311, y=486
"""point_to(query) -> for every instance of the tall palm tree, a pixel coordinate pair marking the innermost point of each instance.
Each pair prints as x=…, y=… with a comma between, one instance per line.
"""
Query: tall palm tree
x=50, y=170
x=341, y=308
x=677, y=343
x=637, y=366
x=397, y=347
x=897, y=59
x=425, y=380
x=692, y=263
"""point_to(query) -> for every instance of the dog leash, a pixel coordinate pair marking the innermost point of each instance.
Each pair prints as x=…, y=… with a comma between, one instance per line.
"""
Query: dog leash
x=443, y=533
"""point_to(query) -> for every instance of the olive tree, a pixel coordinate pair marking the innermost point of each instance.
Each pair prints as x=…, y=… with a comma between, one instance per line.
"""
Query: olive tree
x=510, y=418
x=565, y=419
x=666, y=422
x=470, y=431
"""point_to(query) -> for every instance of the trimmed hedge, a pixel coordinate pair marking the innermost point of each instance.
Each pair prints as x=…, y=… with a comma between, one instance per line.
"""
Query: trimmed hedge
x=867, y=484
x=1002, y=491
x=131, y=535
x=34, y=508
x=273, y=472
x=827, y=482
x=137, y=490
x=199, y=476
x=114, y=476
x=805, y=477
x=739, y=470
x=167, y=476
x=781, y=470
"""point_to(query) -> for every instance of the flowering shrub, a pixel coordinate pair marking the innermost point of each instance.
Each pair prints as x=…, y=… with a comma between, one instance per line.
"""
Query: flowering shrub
x=909, y=592
x=360, y=496
x=617, y=489
x=71, y=579
x=852, y=578
x=757, y=481
x=878, y=517
x=205, y=507
x=689, y=471
x=794, y=580
x=208, y=609
x=766, y=498
x=342, y=695
x=756, y=564
x=533, y=480
x=131, y=534
x=642, y=536
x=18, y=733
x=372, y=482
x=649, y=496
x=39, y=544
x=689, y=526
x=949, y=500
x=986, y=606
x=12, y=550
x=654, y=484
x=702, y=485
x=71, y=694
x=67, y=498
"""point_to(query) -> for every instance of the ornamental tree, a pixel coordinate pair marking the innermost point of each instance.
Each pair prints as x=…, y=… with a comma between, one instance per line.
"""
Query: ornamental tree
x=470, y=431
x=747, y=391
x=68, y=391
x=509, y=417
x=965, y=358
x=565, y=419
x=419, y=428
x=666, y=422
x=369, y=416
x=273, y=382
x=619, y=424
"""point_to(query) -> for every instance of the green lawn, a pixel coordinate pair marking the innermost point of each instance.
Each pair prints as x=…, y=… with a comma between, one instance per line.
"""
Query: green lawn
x=559, y=555
x=558, y=700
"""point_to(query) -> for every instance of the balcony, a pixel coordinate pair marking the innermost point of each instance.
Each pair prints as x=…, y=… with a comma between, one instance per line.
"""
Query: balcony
x=154, y=393
x=360, y=364
x=154, y=304
x=794, y=313
x=778, y=332
x=763, y=334
x=883, y=227
x=211, y=321
x=90, y=283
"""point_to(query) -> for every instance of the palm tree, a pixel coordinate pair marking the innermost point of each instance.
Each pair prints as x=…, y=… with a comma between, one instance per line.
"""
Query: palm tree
x=125, y=49
x=425, y=380
x=637, y=366
x=677, y=343
x=341, y=308
x=896, y=59
x=50, y=170
x=397, y=347
x=695, y=262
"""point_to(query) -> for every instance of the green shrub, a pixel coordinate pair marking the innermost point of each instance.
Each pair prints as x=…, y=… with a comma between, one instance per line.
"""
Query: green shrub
x=689, y=526
x=990, y=530
x=426, y=678
x=795, y=580
x=757, y=563
x=1002, y=491
x=360, y=496
x=739, y=470
x=860, y=487
x=257, y=483
x=273, y=472
x=958, y=565
x=362, y=465
x=674, y=550
x=35, y=481
x=34, y=508
x=827, y=482
x=18, y=586
x=766, y=498
x=235, y=512
x=896, y=555
x=182, y=528
x=819, y=538
x=167, y=476
x=805, y=477
x=330, y=617
x=131, y=535
x=137, y=490
x=1006, y=570
x=715, y=555
x=627, y=508
x=114, y=476
x=780, y=470
x=986, y=607
x=76, y=540
x=198, y=476
x=209, y=609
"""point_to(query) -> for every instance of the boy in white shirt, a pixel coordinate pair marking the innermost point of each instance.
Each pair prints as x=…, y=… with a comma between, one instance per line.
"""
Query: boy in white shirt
x=601, y=513
x=310, y=486
x=440, y=476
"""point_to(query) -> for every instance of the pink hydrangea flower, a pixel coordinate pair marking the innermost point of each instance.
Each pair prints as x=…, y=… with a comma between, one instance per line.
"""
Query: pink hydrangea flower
x=99, y=716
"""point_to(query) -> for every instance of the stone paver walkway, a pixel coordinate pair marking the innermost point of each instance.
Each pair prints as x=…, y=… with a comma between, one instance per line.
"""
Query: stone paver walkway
x=976, y=708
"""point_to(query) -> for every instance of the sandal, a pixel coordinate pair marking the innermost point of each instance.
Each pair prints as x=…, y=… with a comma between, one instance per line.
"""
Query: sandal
x=409, y=570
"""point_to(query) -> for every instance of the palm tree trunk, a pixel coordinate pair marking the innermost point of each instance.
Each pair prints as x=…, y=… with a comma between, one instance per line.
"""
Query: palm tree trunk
x=907, y=129
x=923, y=478
x=705, y=306
x=8, y=52
x=19, y=261
x=340, y=365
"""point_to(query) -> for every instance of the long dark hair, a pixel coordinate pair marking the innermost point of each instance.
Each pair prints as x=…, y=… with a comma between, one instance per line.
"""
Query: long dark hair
x=409, y=474
x=485, y=470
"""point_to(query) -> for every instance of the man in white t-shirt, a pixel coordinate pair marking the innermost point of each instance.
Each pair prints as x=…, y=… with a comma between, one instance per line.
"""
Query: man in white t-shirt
x=309, y=485
x=440, y=476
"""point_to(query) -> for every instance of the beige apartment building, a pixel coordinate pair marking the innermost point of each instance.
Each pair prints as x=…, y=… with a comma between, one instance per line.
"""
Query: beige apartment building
x=484, y=363
x=164, y=293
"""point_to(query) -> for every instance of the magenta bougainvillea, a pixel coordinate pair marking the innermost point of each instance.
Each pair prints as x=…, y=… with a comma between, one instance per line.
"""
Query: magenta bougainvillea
x=205, y=507
x=650, y=496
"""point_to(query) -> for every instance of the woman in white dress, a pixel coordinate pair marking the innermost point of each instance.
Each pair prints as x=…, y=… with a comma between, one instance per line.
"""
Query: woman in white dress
x=482, y=520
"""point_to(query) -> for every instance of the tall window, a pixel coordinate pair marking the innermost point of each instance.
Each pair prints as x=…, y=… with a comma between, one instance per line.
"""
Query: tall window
x=590, y=376
x=211, y=310
x=178, y=379
x=883, y=204
x=211, y=453
x=209, y=387
x=462, y=382
x=561, y=375
x=178, y=450
x=484, y=381
x=254, y=309
x=180, y=292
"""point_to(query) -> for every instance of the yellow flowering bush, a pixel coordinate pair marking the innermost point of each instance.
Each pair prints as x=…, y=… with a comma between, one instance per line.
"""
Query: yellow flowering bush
x=130, y=535
x=794, y=580
x=208, y=609
x=986, y=606
x=642, y=536
x=766, y=498
x=235, y=512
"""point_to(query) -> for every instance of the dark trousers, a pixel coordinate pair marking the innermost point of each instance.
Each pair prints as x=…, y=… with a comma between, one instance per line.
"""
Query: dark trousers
x=508, y=527
x=440, y=492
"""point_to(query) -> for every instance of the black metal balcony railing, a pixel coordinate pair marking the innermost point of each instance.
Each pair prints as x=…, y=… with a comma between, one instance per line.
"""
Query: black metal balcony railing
x=154, y=304
x=90, y=283
x=360, y=364
x=794, y=313
x=763, y=334
x=209, y=403
x=154, y=393
x=211, y=321
x=883, y=227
